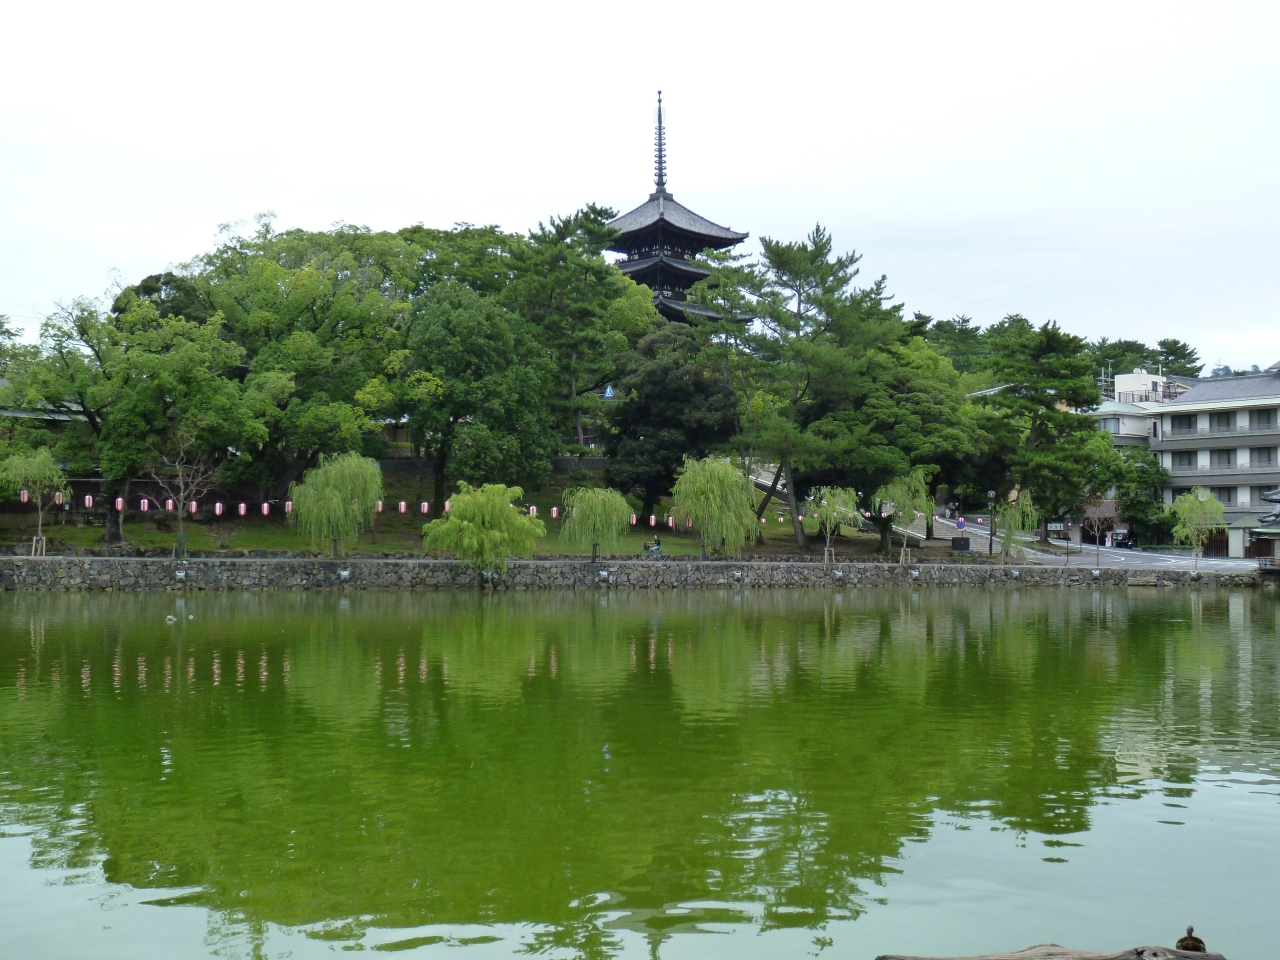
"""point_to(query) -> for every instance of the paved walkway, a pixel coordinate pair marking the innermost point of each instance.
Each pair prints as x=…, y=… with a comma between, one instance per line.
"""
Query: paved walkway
x=1091, y=556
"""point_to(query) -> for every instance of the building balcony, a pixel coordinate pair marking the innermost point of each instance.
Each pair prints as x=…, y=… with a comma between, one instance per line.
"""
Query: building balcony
x=1207, y=470
x=1237, y=437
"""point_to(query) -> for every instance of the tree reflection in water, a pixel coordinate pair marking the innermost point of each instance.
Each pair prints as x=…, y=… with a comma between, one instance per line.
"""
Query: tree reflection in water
x=584, y=763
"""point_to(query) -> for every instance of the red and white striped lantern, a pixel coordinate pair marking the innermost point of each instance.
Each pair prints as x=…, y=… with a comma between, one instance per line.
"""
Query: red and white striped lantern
x=217, y=509
x=288, y=507
x=555, y=512
x=780, y=520
x=425, y=507
x=763, y=521
x=168, y=506
x=801, y=518
x=266, y=509
x=402, y=507
x=57, y=498
x=689, y=524
x=145, y=505
x=119, y=504
x=88, y=502
x=192, y=507
x=671, y=523
x=242, y=509
x=378, y=507
x=653, y=520
x=448, y=505
x=633, y=519
x=24, y=496
x=533, y=511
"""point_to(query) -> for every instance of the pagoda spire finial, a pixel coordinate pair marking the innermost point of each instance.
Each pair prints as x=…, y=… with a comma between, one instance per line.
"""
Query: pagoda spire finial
x=660, y=155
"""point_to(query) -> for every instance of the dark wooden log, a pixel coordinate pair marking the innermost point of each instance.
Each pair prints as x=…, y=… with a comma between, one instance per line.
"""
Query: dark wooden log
x=1051, y=951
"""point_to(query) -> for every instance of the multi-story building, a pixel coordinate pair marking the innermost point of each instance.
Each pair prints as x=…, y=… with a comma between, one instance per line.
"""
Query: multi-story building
x=1222, y=434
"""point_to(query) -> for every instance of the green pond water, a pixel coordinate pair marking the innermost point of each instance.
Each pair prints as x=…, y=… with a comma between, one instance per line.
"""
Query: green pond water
x=692, y=774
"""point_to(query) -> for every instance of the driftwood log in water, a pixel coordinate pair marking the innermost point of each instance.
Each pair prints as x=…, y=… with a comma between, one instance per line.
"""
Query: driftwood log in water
x=1051, y=951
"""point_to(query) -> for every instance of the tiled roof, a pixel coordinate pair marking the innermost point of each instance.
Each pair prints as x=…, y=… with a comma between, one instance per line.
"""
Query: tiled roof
x=1255, y=387
x=661, y=206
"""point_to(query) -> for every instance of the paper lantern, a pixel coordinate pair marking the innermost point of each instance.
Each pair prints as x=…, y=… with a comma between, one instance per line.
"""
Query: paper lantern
x=448, y=505
x=168, y=506
x=689, y=524
x=533, y=511
x=192, y=506
x=780, y=520
x=24, y=496
x=288, y=506
x=671, y=523
x=763, y=521
x=266, y=509
x=425, y=508
x=217, y=509
x=378, y=507
x=144, y=505
x=555, y=512
x=57, y=498
x=403, y=507
x=119, y=504
x=801, y=518
x=242, y=509
x=653, y=521
x=88, y=502
x=633, y=519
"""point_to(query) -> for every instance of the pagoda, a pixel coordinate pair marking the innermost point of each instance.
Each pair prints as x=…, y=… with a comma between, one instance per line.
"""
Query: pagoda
x=661, y=238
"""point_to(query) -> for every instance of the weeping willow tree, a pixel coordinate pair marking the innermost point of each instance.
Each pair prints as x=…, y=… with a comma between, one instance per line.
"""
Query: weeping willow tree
x=337, y=499
x=1195, y=516
x=831, y=507
x=1015, y=516
x=595, y=517
x=484, y=528
x=38, y=474
x=900, y=500
x=717, y=497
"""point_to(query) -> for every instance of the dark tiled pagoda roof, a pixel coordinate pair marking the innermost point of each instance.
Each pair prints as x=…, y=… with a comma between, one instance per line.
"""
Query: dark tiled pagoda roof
x=662, y=209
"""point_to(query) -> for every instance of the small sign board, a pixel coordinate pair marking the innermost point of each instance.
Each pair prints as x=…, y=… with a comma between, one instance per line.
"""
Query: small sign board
x=960, y=524
x=1055, y=526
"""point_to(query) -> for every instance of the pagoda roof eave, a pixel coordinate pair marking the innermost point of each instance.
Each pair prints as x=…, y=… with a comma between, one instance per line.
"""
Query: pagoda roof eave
x=677, y=265
x=661, y=208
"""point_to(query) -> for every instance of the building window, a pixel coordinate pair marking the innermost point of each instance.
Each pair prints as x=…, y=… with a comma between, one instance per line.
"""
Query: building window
x=1225, y=495
x=1255, y=496
x=1222, y=458
x=1184, y=458
x=1109, y=424
x=1182, y=423
x=1262, y=419
x=1262, y=456
x=1222, y=421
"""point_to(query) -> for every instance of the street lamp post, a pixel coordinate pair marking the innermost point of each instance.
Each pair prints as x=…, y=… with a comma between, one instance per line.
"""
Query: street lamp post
x=991, y=516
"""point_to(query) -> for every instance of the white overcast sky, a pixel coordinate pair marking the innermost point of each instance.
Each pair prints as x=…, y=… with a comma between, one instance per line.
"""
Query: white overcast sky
x=1113, y=166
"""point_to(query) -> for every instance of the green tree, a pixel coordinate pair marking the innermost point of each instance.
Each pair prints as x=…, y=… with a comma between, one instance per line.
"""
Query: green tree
x=1196, y=514
x=337, y=499
x=484, y=528
x=1014, y=515
x=485, y=414
x=1047, y=382
x=900, y=500
x=1120, y=356
x=960, y=340
x=831, y=507
x=719, y=499
x=1177, y=358
x=595, y=517
x=674, y=405
x=38, y=474
x=1138, y=480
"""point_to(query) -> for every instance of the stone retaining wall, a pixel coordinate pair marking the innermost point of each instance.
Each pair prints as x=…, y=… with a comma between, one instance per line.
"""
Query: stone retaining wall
x=130, y=573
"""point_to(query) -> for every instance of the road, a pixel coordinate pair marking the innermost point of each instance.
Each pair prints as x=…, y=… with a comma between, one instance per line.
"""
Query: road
x=1095, y=557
